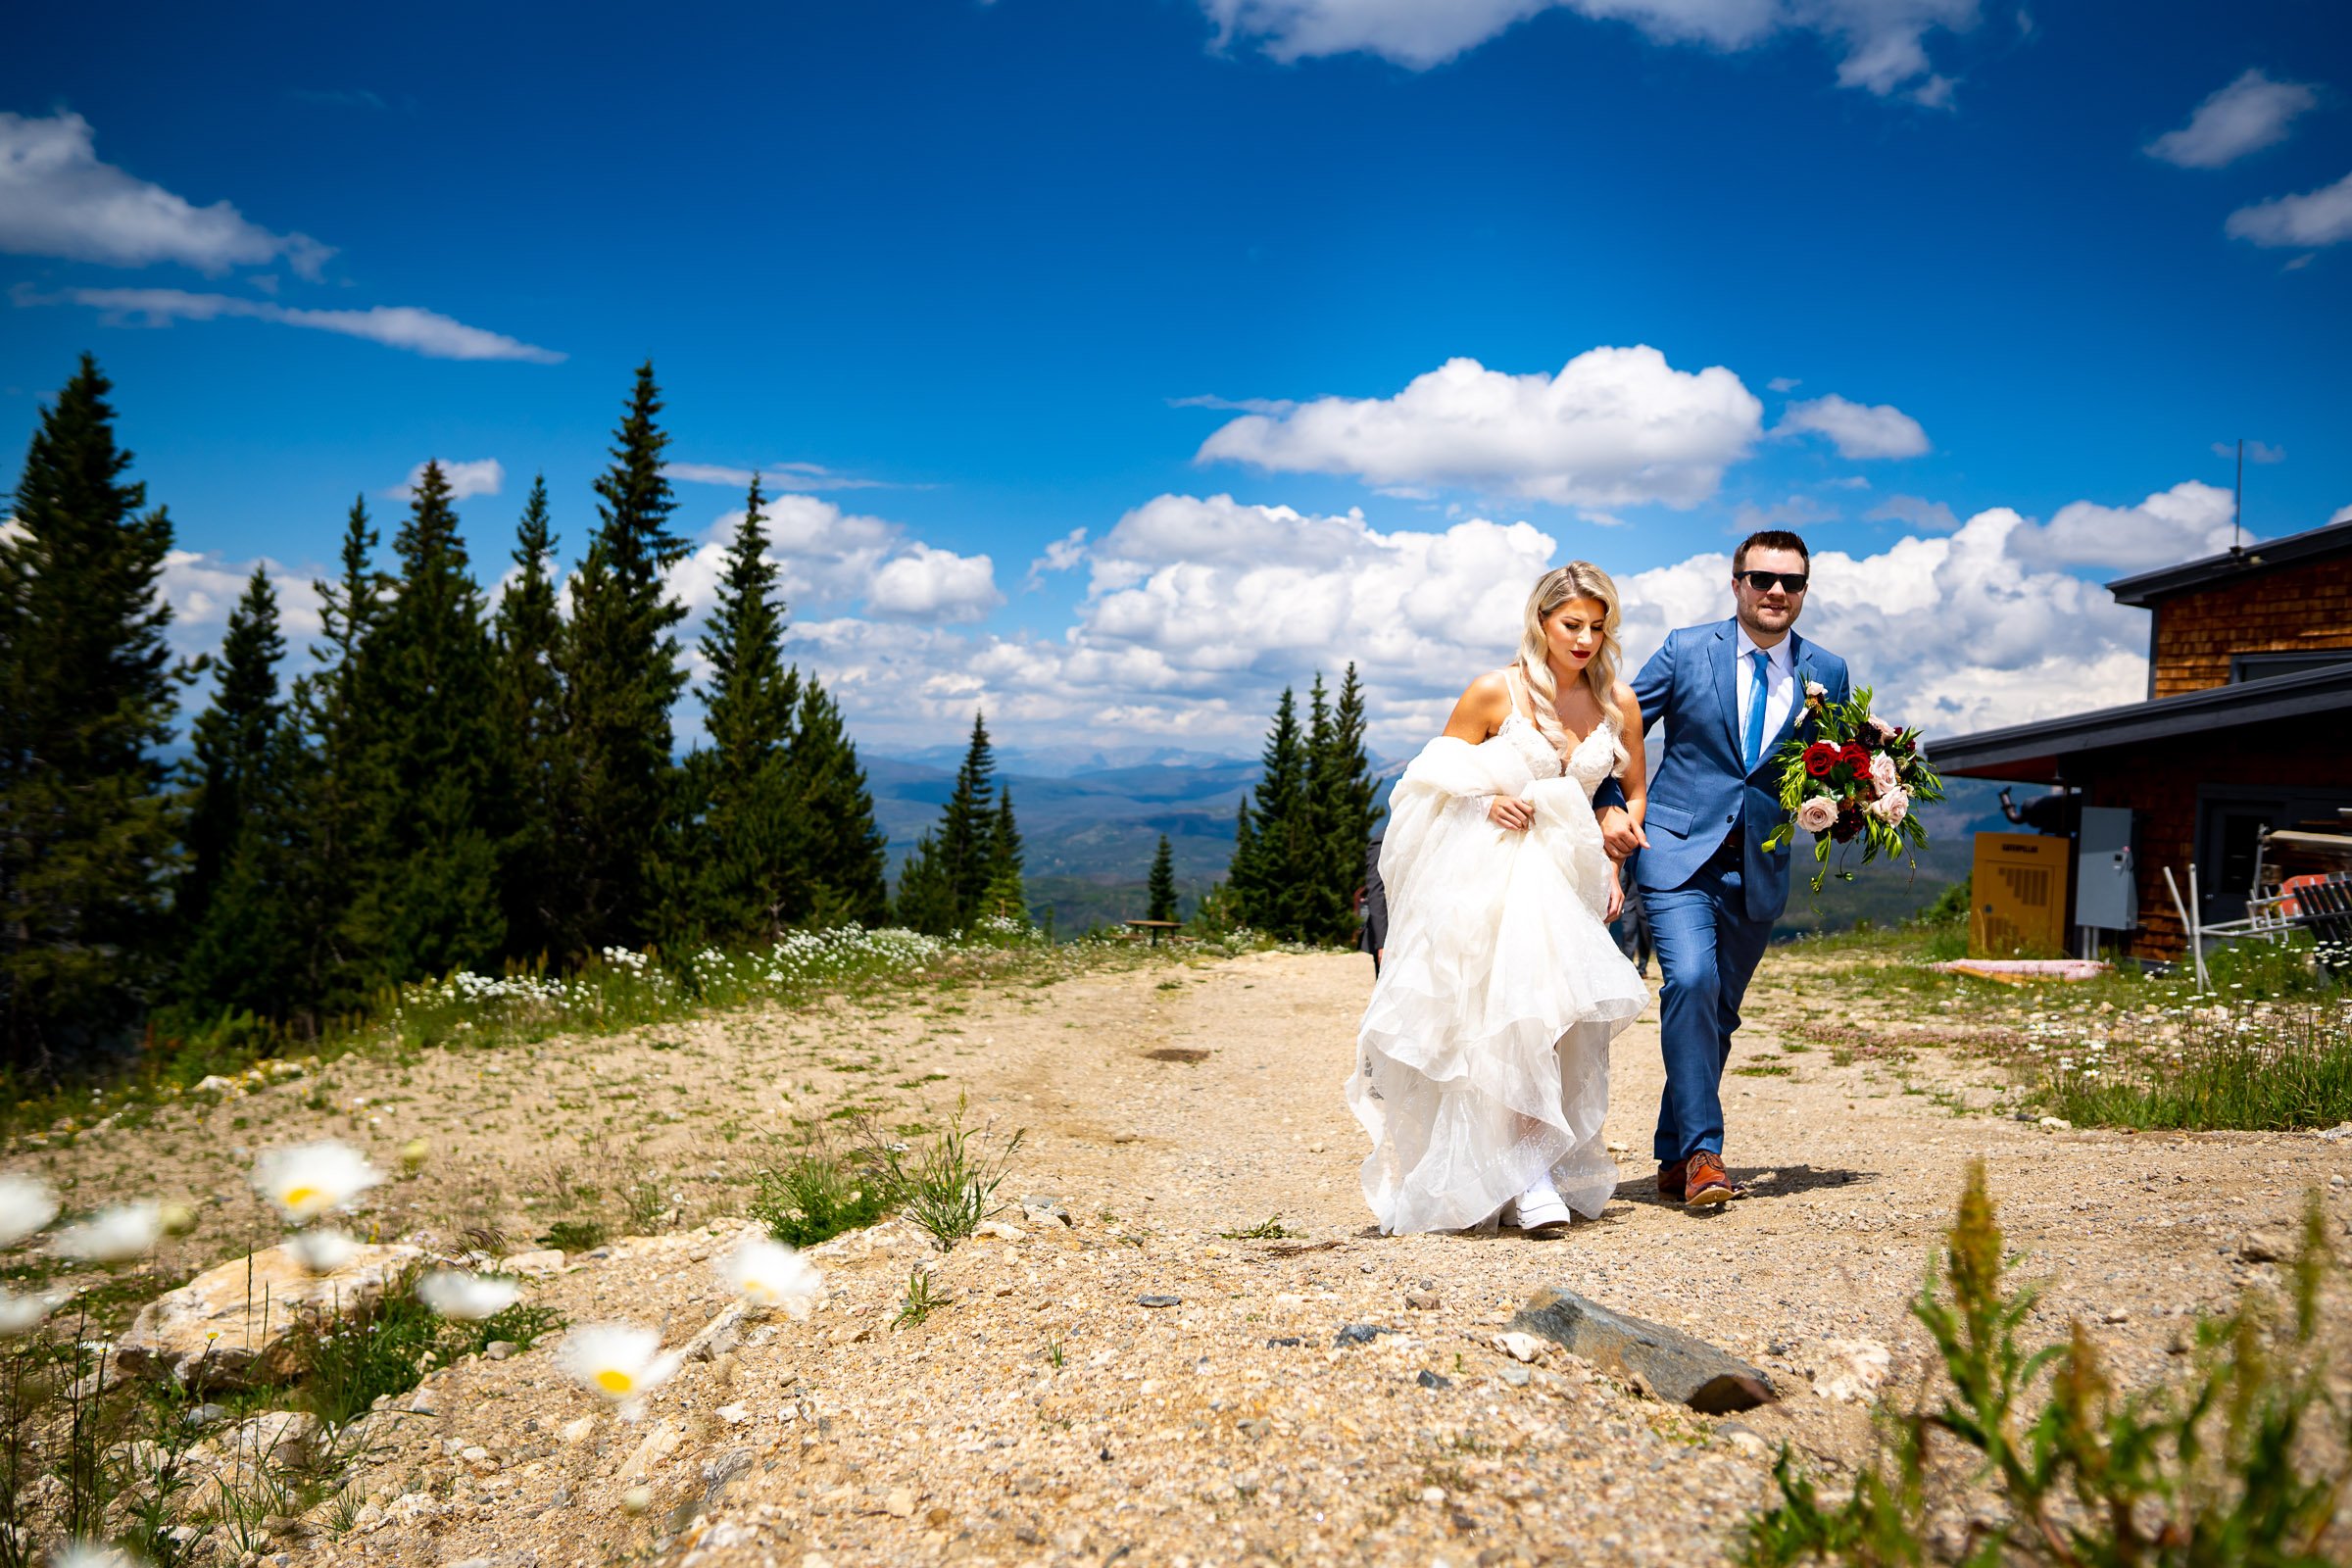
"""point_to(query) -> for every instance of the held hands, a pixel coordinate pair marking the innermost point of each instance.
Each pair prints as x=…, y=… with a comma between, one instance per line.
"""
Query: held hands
x=1513, y=816
x=1621, y=833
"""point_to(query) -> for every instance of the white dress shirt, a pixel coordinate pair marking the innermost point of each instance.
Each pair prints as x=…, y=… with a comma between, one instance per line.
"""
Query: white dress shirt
x=1780, y=684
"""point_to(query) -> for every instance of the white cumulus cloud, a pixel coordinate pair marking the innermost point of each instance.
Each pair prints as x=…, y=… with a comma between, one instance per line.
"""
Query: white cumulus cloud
x=1882, y=43
x=1929, y=517
x=932, y=584
x=1858, y=431
x=400, y=326
x=57, y=199
x=2250, y=114
x=2322, y=216
x=1616, y=426
x=484, y=476
x=2183, y=523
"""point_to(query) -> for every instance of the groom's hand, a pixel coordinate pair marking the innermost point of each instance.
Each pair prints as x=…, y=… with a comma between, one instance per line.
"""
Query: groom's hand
x=1621, y=833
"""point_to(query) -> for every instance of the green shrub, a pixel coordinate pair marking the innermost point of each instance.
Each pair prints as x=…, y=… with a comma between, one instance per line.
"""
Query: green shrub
x=816, y=1198
x=2242, y=1462
x=947, y=1185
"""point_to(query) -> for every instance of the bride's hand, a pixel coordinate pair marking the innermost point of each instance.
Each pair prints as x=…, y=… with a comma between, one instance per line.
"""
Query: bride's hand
x=1515, y=816
x=1616, y=898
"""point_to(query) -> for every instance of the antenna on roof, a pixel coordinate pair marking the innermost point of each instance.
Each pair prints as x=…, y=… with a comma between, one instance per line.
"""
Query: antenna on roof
x=2238, y=507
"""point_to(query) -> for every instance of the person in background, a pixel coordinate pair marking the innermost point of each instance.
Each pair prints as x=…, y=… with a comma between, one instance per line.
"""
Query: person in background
x=1372, y=904
x=1631, y=926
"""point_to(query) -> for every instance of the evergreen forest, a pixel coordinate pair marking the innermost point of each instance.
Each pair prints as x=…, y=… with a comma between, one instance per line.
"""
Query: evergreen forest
x=448, y=785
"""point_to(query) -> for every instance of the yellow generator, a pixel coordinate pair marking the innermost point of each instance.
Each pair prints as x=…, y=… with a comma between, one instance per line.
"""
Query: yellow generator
x=2020, y=887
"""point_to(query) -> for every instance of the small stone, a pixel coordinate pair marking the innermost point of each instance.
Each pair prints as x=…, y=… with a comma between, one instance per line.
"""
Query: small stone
x=1360, y=1334
x=1126, y=1135
x=1432, y=1495
x=1517, y=1376
x=1852, y=1370
x=2265, y=1246
x=733, y=1415
x=1747, y=1441
x=534, y=1264
x=2056, y=1124
x=1421, y=1300
x=938, y=1518
x=577, y=1431
x=1431, y=1380
x=1156, y=1301
x=1001, y=1230
x=636, y=1499
x=1520, y=1346
x=473, y=1562
x=2115, y=1315
x=500, y=1350
x=900, y=1505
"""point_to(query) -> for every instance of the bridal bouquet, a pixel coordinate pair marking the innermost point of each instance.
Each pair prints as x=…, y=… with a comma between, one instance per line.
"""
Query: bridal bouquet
x=1854, y=776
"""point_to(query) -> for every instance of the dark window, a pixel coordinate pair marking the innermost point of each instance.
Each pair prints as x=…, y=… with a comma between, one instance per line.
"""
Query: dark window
x=2301, y=661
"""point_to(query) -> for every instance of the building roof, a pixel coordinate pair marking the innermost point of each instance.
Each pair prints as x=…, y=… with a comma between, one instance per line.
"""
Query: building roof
x=2036, y=754
x=2262, y=555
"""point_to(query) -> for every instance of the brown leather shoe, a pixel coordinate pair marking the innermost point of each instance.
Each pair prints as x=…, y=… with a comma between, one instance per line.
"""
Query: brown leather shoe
x=1670, y=1179
x=1706, y=1183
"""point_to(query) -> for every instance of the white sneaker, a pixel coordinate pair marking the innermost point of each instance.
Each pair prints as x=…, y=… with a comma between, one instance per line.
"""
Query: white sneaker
x=1540, y=1211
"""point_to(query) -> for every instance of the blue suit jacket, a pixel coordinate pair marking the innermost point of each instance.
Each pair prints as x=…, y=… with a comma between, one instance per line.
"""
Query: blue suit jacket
x=1700, y=789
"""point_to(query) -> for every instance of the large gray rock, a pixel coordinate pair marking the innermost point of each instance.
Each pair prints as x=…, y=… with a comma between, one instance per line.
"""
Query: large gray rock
x=1677, y=1366
x=230, y=1327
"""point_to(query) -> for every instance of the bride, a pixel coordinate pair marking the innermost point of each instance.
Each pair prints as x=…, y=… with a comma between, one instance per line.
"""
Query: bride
x=1482, y=1061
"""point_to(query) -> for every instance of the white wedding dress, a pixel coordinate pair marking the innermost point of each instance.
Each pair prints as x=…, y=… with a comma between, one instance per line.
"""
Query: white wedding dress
x=1482, y=1061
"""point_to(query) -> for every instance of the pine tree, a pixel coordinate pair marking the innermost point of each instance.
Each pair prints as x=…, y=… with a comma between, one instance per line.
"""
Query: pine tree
x=528, y=701
x=1161, y=890
x=1273, y=832
x=321, y=779
x=943, y=885
x=86, y=831
x=620, y=674
x=1005, y=897
x=231, y=742
x=1341, y=790
x=428, y=894
x=842, y=849
x=746, y=865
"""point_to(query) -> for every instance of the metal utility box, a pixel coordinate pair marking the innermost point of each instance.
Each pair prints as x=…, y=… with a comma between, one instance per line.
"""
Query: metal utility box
x=2106, y=886
x=2019, y=903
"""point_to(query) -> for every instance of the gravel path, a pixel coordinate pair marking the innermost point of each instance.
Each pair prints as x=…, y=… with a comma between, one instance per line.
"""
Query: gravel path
x=1048, y=1414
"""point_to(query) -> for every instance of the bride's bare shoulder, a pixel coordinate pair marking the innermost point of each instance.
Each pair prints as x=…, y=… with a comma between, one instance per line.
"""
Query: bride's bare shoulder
x=1482, y=708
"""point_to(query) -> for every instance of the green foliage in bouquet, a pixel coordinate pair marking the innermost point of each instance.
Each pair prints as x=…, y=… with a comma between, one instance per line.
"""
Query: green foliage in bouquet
x=1848, y=776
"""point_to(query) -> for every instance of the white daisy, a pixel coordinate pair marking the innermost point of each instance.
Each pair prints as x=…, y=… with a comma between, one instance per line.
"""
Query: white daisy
x=112, y=1235
x=618, y=1361
x=452, y=1293
x=765, y=1274
x=323, y=1250
x=26, y=1205
x=22, y=1314
x=311, y=1179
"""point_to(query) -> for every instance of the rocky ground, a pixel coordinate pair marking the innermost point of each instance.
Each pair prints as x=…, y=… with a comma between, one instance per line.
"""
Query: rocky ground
x=1116, y=1375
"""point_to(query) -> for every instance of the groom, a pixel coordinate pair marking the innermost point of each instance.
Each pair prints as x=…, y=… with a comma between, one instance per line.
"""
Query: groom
x=1729, y=694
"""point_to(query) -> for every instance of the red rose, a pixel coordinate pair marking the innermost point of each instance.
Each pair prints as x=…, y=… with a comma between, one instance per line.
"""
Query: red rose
x=1820, y=758
x=1854, y=755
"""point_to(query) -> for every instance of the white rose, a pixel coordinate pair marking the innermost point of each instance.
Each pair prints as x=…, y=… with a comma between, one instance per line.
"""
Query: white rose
x=1891, y=807
x=1887, y=731
x=1882, y=771
x=1818, y=815
x=1814, y=688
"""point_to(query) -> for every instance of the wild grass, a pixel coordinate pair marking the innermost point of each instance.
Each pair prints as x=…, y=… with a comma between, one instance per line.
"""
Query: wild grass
x=611, y=993
x=1265, y=1230
x=946, y=1185
x=2243, y=1460
x=816, y=1196
x=923, y=1298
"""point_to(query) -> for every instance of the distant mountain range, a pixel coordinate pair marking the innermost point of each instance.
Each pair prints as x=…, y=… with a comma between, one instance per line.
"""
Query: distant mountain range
x=1091, y=818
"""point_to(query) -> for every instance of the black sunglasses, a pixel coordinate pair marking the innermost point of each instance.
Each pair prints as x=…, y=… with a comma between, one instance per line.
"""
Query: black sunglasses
x=1762, y=581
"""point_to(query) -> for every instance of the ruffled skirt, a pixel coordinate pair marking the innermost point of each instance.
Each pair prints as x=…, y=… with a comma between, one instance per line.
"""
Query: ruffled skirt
x=1483, y=1060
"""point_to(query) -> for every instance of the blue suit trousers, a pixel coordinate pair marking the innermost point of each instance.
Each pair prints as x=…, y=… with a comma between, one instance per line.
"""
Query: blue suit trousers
x=1708, y=950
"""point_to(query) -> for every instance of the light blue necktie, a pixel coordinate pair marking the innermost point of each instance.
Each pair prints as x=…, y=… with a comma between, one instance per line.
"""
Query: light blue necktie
x=1755, y=712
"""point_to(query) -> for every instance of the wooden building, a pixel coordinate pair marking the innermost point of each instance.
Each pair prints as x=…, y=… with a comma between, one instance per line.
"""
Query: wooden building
x=2248, y=726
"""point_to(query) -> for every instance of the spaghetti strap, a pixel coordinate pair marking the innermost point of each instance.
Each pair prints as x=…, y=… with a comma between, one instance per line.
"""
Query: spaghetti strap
x=1514, y=680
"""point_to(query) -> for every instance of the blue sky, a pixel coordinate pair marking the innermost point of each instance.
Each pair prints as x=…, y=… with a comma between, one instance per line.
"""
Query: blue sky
x=1969, y=293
